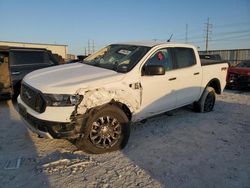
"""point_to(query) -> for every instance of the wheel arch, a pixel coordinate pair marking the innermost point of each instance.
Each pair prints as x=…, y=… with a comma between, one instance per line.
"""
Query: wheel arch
x=118, y=104
x=123, y=107
x=85, y=142
x=96, y=98
x=215, y=83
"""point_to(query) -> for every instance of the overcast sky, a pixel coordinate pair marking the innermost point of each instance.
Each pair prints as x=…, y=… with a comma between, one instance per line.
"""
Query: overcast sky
x=107, y=21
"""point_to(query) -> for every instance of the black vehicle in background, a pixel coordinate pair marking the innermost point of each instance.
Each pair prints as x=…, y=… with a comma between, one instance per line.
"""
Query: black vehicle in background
x=16, y=62
x=79, y=58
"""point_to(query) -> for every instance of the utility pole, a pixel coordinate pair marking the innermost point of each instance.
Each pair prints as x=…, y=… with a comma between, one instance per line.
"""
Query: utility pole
x=186, y=38
x=88, y=47
x=85, y=51
x=93, y=46
x=208, y=30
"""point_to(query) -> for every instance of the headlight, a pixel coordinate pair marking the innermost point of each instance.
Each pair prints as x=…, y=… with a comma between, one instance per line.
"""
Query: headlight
x=62, y=99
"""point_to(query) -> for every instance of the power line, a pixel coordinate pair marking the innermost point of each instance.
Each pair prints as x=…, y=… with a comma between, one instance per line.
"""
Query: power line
x=239, y=33
x=230, y=41
x=232, y=32
x=232, y=24
x=225, y=34
x=232, y=37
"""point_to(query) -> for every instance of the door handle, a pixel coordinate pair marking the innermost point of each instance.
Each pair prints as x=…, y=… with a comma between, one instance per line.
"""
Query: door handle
x=15, y=73
x=196, y=73
x=171, y=79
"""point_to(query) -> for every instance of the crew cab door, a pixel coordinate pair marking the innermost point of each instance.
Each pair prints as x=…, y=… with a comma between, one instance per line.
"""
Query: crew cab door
x=189, y=76
x=158, y=91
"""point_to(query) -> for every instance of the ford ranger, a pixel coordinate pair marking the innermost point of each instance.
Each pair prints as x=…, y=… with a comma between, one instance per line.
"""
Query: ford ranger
x=93, y=101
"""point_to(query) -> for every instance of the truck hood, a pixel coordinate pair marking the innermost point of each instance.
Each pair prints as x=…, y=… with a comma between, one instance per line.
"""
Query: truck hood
x=67, y=79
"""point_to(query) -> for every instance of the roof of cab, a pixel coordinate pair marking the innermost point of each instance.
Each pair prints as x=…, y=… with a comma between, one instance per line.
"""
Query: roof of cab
x=153, y=43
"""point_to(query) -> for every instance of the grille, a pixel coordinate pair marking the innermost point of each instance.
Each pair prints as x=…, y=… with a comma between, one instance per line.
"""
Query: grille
x=233, y=76
x=238, y=77
x=243, y=78
x=33, y=98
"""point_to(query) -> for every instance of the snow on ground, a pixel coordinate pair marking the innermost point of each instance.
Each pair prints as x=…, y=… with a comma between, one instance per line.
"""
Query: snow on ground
x=177, y=149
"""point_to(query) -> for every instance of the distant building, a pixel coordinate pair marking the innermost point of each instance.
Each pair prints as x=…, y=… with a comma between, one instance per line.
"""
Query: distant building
x=233, y=56
x=71, y=57
x=59, y=49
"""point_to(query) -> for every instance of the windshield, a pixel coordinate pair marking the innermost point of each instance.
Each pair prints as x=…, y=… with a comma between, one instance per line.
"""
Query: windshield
x=121, y=58
x=244, y=64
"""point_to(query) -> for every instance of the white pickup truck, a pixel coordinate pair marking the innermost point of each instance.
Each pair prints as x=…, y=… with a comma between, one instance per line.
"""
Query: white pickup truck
x=93, y=101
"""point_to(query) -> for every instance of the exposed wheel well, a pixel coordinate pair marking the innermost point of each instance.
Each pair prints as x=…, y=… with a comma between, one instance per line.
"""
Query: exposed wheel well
x=215, y=83
x=123, y=107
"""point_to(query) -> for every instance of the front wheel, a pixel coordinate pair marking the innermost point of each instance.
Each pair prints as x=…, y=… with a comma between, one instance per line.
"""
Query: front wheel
x=206, y=102
x=106, y=129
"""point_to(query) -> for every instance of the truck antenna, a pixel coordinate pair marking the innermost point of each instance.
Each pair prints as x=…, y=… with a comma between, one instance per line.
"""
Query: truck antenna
x=170, y=38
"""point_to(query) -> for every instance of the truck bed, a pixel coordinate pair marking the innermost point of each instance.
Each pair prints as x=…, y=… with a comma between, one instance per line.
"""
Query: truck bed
x=205, y=62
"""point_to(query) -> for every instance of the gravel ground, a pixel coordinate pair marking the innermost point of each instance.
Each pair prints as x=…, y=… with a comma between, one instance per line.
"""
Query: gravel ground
x=177, y=149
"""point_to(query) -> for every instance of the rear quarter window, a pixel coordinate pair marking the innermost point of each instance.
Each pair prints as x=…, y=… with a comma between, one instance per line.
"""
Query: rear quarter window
x=185, y=57
x=20, y=57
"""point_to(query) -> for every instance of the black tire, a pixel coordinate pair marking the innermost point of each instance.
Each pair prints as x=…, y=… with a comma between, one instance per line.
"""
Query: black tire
x=17, y=89
x=105, y=130
x=229, y=87
x=207, y=101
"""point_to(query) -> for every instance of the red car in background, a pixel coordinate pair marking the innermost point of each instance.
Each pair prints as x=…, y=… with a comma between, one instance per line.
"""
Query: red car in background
x=239, y=76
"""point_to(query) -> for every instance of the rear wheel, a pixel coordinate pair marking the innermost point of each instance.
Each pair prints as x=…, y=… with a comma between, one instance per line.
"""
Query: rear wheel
x=105, y=130
x=206, y=102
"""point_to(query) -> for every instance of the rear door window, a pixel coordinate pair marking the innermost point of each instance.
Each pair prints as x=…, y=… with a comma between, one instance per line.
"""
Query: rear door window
x=185, y=57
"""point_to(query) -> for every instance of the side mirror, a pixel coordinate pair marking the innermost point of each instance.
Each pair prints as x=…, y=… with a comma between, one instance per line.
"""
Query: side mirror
x=122, y=68
x=151, y=70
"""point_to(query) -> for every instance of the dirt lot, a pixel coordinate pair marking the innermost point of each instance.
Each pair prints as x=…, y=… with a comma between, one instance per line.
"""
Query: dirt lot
x=179, y=149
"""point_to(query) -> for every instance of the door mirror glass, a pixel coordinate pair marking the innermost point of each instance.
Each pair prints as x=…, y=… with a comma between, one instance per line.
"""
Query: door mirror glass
x=151, y=70
x=122, y=68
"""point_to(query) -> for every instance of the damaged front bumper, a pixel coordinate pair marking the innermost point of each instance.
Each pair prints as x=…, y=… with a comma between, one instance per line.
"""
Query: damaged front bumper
x=238, y=81
x=50, y=129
